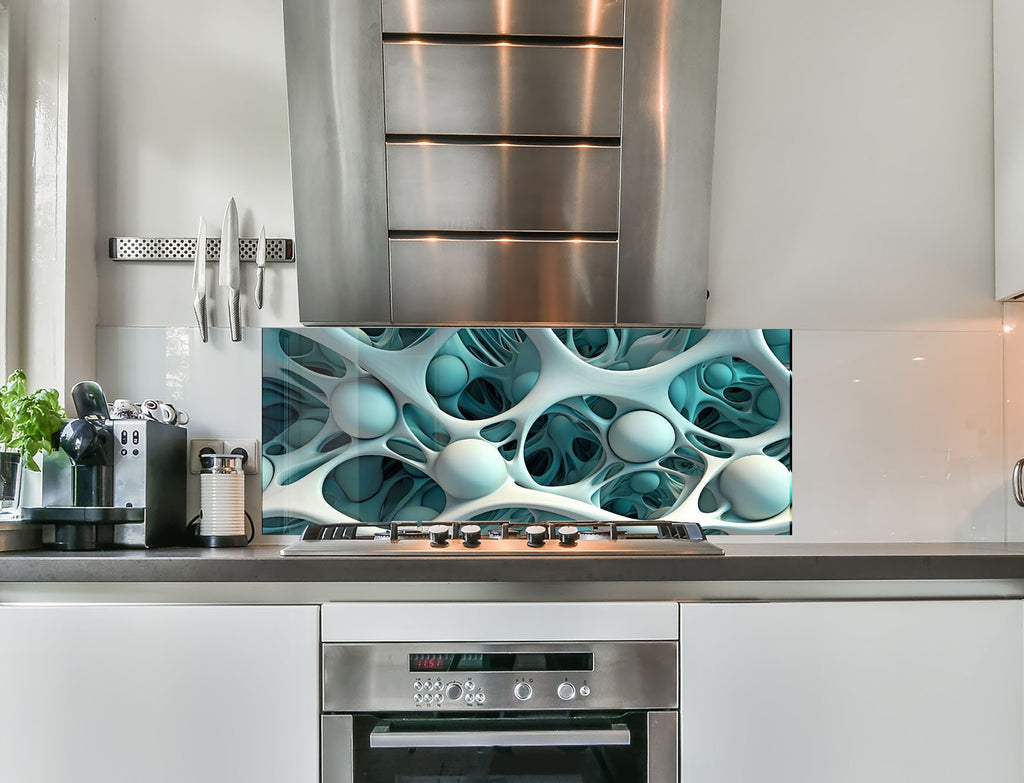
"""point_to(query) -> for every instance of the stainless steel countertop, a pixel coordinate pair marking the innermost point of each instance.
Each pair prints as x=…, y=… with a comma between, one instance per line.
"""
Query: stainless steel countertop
x=743, y=562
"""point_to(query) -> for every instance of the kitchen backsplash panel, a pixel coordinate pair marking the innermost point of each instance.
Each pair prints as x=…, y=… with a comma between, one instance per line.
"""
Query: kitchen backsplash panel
x=379, y=425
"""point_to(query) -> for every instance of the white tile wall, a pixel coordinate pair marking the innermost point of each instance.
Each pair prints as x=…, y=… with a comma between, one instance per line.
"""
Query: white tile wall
x=1013, y=395
x=897, y=436
x=219, y=383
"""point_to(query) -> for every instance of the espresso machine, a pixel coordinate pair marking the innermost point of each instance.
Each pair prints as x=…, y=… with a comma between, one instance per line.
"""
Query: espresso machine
x=112, y=482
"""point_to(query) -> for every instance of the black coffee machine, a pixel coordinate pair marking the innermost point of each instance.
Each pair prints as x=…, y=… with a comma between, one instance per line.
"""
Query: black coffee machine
x=114, y=482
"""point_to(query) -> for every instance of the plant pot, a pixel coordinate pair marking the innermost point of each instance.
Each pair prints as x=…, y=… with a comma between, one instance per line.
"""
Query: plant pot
x=11, y=469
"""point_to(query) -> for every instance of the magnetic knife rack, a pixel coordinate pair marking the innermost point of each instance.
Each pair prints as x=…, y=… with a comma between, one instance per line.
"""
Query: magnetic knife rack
x=279, y=251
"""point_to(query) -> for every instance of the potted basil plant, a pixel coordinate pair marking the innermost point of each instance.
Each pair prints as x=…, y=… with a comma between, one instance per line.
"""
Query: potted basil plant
x=28, y=423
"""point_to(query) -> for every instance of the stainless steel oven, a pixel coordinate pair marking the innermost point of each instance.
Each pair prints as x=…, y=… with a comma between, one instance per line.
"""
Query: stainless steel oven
x=518, y=712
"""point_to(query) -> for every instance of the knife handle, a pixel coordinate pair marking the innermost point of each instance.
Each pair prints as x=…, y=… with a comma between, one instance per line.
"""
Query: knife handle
x=258, y=294
x=234, y=317
x=199, y=306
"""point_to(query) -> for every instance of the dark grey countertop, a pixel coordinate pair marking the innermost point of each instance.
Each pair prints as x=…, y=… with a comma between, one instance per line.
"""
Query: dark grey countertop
x=743, y=562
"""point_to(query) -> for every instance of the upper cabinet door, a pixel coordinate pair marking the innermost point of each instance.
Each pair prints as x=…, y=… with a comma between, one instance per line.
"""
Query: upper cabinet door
x=1008, y=107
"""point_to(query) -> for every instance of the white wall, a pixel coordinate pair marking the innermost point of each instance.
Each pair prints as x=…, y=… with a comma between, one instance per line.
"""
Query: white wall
x=852, y=202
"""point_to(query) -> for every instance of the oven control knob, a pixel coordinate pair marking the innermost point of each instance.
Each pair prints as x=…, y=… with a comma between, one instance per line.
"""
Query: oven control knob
x=522, y=691
x=584, y=690
x=470, y=535
x=566, y=691
x=568, y=535
x=438, y=535
x=535, y=535
x=453, y=692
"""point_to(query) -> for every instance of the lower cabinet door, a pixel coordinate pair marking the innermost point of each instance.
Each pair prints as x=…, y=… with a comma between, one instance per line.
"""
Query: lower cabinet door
x=161, y=694
x=852, y=692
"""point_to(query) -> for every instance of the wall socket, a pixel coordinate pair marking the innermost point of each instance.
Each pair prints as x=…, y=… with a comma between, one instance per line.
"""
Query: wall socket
x=248, y=447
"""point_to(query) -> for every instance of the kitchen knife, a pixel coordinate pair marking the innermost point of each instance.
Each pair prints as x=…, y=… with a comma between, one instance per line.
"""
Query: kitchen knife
x=229, y=274
x=199, y=281
x=261, y=262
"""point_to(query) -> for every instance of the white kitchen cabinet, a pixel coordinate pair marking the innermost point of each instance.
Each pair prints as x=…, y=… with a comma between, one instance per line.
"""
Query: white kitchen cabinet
x=849, y=692
x=1008, y=131
x=161, y=694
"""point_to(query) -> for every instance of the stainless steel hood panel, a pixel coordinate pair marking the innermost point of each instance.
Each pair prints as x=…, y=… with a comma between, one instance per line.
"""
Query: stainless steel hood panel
x=498, y=281
x=496, y=163
x=502, y=89
x=502, y=187
x=336, y=122
x=592, y=18
x=668, y=136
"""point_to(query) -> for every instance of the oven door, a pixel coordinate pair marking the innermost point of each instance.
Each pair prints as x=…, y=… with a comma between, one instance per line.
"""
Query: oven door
x=630, y=747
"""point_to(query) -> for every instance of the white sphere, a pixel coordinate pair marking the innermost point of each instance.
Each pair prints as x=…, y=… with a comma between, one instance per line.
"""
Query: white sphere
x=757, y=486
x=470, y=469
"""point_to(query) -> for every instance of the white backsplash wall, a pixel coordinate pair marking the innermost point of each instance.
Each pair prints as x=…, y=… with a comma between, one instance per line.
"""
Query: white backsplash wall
x=897, y=436
x=217, y=383
x=852, y=202
x=1013, y=391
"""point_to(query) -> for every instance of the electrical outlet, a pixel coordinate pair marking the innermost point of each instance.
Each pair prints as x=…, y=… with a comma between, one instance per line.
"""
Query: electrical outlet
x=248, y=448
x=198, y=446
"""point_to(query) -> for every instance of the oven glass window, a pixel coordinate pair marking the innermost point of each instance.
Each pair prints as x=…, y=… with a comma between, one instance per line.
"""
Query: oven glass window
x=482, y=759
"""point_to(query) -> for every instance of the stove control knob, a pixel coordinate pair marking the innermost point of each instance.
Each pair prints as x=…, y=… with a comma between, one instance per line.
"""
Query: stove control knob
x=453, y=692
x=470, y=535
x=566, y=691
x=438, y=535
x=522, y=691
x=568, y=535
x=535, y=535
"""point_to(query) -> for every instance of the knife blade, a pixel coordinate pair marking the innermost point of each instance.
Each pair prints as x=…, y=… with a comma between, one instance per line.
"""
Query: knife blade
x=199, y=281
x=229, y=272
x=261, y=262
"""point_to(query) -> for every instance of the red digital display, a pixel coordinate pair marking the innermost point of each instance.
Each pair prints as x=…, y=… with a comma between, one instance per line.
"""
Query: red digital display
x=430, y=662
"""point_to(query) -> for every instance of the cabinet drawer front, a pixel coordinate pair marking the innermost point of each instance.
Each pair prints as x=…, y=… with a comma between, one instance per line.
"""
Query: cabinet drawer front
x=600, y=18
x=502, y=187
x=502, y=89
x=503, y=281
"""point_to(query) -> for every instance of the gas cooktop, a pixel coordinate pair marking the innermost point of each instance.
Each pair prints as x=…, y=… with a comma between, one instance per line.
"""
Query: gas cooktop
x=466, y=539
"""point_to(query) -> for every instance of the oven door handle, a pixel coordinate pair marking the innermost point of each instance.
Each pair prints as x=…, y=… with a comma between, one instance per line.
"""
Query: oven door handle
x=383, y=737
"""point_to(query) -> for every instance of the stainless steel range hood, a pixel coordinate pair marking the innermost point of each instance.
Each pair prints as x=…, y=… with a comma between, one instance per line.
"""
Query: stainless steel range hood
x=533, y=162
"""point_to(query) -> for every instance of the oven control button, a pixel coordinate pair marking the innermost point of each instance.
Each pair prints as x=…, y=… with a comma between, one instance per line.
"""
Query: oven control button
x=522, y=691
x=479, y=698
x=453, y=691
x=584, y=690
x=470, y=685
x=438, y=535
x=438, y=698
x=417, y=686
x=568, y=535
x=470, y=535
x=535, y=535
x=566, y=691
x=469, y=698
x=417, y=699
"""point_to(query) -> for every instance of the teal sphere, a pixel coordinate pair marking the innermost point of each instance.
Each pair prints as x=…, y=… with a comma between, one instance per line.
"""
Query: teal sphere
x=363, y=408
x=361, y=478
x=414, y=514
x=446, y=375
x=470, y=469
x=677, y=392
x=757, y=486
x=718, y=375
x=644, y=482
x=561, y=429
x=641, y=436
x=768, y=404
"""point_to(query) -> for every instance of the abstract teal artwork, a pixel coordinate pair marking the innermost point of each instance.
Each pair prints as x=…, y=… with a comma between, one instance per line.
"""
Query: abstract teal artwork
x=419, y=424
